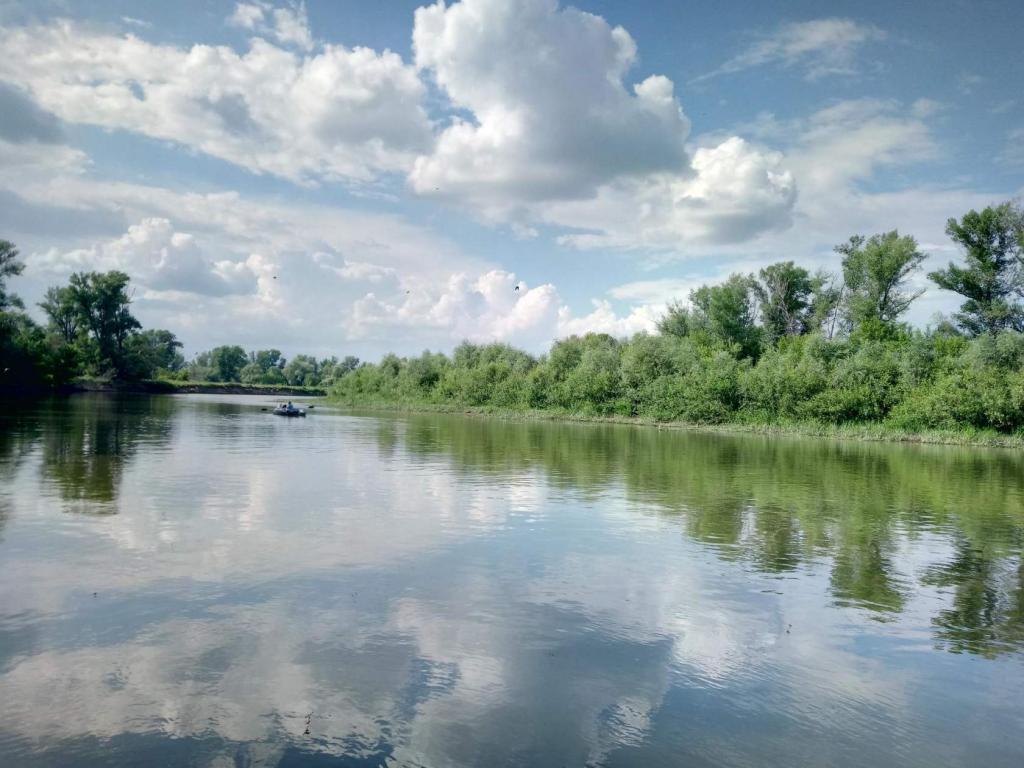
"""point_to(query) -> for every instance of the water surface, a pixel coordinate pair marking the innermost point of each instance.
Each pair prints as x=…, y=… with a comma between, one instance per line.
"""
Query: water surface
x=189, y=580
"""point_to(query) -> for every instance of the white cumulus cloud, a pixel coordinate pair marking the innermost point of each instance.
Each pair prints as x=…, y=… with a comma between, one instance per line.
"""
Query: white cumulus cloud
x=159, y=258
x=559, y=136
x=289, y=25
x=737, y=191
x=552, y=115
x=337, y=114
x=490, y=306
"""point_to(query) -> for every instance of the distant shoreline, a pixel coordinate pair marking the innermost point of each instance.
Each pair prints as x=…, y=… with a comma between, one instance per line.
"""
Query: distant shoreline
x=163, y=387
x=855, y=432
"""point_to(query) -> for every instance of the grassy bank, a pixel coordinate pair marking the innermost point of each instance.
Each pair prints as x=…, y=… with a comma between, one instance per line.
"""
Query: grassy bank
x=856, y=432
x=167, y=387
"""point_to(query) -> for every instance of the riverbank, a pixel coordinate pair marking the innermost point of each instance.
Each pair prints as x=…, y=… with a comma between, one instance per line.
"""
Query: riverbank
x=165, y=387
x=855, y=432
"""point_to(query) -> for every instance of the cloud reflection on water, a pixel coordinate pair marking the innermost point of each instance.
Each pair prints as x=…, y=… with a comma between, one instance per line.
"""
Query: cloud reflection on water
x=445, y=591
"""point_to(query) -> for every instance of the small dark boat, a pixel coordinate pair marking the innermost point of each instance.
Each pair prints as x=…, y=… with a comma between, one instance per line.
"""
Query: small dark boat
x=289, y=410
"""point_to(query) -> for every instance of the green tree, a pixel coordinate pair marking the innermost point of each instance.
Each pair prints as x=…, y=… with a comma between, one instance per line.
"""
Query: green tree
x=992, y=278
x=250, y=374
x=876, y=272
x=62, y=310
x=786, y=295
x=264, y=367
x=152, y=351
x=828, y=298
x=726, y=313
x=10, y=266
x=302, y=370
x=265, y=359
x=676, y=321
x=226, y=363
x=104, y=309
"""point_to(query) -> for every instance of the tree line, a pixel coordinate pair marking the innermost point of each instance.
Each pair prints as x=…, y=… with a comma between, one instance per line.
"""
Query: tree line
x=90, y=331
x=784, y=345
x=231, y=363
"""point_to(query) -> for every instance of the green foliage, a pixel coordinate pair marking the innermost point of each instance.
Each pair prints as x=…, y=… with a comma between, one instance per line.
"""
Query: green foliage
x=785, y=379
x=677, y=320
x=992, y=277
x=726, y=313
x=302, y=370
x=982, y=399
x=91, y=331
x=786, y=294
x=10, y=266
x=226, y=363
x=103, y=305
x=784, y=347
x=911, y=381
x=62, y=310
x=153, y=353
x=876, y=273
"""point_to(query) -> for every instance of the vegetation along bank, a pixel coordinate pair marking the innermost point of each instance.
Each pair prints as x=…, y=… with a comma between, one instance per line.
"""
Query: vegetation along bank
x=783, y=349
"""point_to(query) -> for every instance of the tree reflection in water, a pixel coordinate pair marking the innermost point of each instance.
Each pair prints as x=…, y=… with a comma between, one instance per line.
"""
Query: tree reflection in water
x=780, y=504
x=85, y=443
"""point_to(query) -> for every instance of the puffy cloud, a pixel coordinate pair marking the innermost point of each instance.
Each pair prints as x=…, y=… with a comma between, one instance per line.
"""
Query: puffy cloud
x=487, y=307
x=552, y=115
x=492, y=306
x=557, y=136
x=337, y=114
x=247, y=15
x=160, y=259
x=603, y=319
x=821, y=47
x=737, y=191
x=291, y=26
x=288, y=25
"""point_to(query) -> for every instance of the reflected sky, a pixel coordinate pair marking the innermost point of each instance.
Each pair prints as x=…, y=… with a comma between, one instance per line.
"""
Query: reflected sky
x=191, y=580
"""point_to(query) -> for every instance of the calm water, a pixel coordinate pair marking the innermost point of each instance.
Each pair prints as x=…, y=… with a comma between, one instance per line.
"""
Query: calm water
x=192, y=581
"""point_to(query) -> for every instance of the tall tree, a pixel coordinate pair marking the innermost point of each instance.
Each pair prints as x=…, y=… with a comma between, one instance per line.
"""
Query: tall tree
x=10, y=266
x=152, y=351
x=876, y=272
x=786, y=295
x=992, y=278
x=348, y=364
x=302, y=370
x=104, y=309
x=827, y=305
x=227, y=363
x=265, y=359
x=62, y=310
x=726, y=313
x=676, y=321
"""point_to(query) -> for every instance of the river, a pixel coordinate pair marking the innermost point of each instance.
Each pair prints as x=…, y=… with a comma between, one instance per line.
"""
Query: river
x=190, y=580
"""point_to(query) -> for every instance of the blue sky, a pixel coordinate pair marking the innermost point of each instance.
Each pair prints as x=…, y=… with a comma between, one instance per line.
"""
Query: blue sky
x=357, y=177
